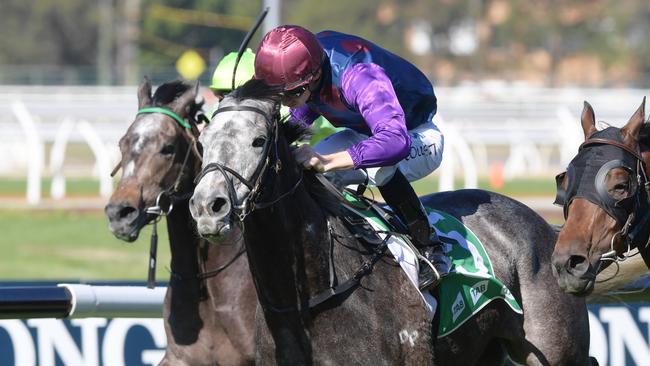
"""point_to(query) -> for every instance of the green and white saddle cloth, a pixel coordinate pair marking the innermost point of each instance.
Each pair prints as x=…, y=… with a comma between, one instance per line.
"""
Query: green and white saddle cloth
x=470, y=285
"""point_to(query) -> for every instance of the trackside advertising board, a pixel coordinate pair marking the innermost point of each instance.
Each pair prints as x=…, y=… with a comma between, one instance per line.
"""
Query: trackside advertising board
x=619, y=336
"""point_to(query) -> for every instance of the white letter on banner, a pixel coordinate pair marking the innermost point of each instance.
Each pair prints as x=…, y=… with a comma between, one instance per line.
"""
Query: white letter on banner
x=598, y=340
x=24, y=352
x=624, y=334
x=644, y=316
x=115, y=336
x=54, y=336
x=90, y=337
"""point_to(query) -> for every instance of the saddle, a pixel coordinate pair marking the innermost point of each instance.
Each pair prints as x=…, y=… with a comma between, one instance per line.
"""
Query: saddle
x=469, y=286
x=356, y=209
x=358, y=224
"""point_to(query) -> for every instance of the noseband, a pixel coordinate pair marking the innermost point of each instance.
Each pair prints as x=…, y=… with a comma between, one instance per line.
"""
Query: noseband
x=268, y=158
x=167, y=197
x=586, y=176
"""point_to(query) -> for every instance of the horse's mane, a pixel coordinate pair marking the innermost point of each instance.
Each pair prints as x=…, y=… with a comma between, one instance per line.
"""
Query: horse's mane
x=320, y=194
x=169, y=91
x=294, y=131
x=259, y=89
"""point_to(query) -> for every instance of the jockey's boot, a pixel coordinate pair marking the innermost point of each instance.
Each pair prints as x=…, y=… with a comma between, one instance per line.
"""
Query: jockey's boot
x=400, y=196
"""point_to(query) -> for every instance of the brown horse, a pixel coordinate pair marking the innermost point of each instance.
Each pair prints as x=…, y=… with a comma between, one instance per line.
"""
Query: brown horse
x=209, y=308
x=604, y=193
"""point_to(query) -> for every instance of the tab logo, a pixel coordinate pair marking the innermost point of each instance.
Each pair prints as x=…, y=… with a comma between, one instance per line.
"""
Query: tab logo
x=478, y=290
x=506, y=292
x=457, y=307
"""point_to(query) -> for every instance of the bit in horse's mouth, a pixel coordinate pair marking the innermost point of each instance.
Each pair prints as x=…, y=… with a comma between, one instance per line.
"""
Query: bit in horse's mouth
x=213, y=232
x=132, y=229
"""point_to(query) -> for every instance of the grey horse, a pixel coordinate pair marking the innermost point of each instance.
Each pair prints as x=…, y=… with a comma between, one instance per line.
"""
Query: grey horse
x=296, y=245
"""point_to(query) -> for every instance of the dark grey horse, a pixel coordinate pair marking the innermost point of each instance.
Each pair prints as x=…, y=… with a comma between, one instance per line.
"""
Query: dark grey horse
x=295, y=246
x=210, y=304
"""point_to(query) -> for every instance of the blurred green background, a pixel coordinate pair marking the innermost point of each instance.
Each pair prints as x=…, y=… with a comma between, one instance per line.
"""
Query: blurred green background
x=75, y=244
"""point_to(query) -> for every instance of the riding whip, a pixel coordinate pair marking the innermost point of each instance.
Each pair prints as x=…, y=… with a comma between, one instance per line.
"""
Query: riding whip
x=247, y=39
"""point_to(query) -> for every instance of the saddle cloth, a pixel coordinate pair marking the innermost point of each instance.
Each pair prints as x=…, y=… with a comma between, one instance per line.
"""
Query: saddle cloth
x=470, y=285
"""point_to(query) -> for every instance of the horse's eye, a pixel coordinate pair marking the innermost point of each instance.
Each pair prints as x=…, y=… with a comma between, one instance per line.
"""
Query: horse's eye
x=620, y=190
x=167, y=150
x=621, y=187
x=259, y=142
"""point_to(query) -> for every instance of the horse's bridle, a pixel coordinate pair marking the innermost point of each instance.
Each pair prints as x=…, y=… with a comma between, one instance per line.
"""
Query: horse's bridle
x=632, y=212
x=166, y=198
x=269, y=157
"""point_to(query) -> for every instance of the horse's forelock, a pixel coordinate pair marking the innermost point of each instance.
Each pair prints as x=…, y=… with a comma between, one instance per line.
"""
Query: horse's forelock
x=168, y=92
x=257, y=89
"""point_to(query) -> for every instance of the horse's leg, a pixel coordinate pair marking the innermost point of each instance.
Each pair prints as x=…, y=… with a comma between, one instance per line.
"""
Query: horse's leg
x=556, y=324
x=483, y=334
x=494, y=354
x=169, y=360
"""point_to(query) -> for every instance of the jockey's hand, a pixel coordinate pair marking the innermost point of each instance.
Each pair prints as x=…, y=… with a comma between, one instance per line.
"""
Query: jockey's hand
x=309, y=159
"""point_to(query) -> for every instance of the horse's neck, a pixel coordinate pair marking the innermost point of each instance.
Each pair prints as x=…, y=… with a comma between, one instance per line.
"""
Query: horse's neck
x=288, y=246
x=183, y=241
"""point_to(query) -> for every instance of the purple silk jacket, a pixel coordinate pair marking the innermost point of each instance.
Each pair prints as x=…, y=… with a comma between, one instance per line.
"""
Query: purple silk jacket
x=372, y=91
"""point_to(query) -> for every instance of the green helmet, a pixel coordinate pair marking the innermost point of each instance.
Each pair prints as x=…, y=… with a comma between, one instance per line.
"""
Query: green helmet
x=222, y=77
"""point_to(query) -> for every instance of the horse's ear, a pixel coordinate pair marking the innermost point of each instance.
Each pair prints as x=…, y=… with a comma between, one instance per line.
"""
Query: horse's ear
x=588, y=120
x=632, y=128
x=180, y=104
x=144, y=93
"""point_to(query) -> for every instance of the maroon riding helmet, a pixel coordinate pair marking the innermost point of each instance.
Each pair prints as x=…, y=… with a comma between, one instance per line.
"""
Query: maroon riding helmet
x=288, y=55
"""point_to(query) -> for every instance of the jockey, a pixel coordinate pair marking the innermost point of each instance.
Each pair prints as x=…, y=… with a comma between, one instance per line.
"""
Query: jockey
x=222, y=85
x=387, y=106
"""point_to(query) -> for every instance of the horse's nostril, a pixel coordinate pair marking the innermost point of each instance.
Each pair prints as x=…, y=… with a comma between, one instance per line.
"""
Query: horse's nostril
x=126, y=211
x=576, y=261
x=218, y=204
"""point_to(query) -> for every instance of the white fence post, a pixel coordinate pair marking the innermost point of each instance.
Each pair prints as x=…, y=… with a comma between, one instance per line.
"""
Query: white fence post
x=102, y=157
x=455, y=146
x=570, y=135
x=57, y=157
x=35, y=146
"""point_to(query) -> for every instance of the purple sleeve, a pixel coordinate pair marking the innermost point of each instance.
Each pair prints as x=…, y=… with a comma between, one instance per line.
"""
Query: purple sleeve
x=367, y=88
x=302, y=116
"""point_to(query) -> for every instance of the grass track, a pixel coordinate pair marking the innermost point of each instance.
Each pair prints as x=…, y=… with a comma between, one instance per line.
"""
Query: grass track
x=76, y=245
x=73, y=246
